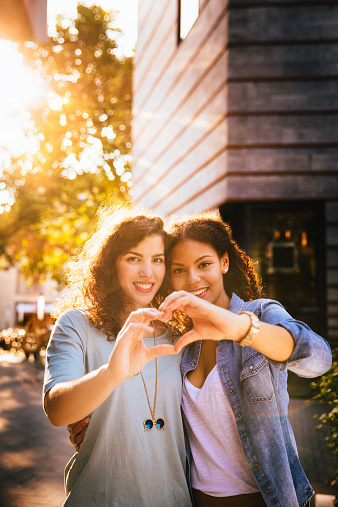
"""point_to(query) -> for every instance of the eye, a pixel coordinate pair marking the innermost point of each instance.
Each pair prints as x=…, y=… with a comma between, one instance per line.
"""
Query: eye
x=177, y=271
x=158, y=260
x=132, y=259
x=204, y=264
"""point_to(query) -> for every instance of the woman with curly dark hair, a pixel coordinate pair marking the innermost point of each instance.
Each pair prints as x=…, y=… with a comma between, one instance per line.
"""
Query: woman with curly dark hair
x=238, y=350
x=104, y=363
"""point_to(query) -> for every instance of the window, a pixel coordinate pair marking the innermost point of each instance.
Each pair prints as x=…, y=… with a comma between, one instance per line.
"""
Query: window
x=287, y=242
x=188, y=13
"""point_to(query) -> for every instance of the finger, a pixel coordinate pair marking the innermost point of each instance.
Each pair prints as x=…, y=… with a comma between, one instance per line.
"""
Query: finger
x=160, y=350
x=75, y=428
x=74, y=440
x=167, y=314
x=142, y=315
x=134, y=331
x=186, y=339
x=172, y=297
x=179, y=298
x=79, y=438
x=184, y=304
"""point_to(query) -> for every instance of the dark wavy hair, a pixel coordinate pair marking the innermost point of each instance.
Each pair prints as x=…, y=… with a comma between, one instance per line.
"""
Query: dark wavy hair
x=209, y=228
x=91, y=275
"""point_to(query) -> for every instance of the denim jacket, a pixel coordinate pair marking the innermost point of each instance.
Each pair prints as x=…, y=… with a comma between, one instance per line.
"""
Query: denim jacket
x=256, y=388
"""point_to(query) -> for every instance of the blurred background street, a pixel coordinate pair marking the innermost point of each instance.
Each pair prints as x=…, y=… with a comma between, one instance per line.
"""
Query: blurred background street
x=33, y=452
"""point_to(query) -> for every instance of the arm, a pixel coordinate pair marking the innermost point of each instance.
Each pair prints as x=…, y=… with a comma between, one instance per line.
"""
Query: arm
x=288, y=343
x=72, y=400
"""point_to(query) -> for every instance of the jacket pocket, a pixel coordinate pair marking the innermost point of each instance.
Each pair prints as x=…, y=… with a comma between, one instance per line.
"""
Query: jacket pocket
x=256, y=378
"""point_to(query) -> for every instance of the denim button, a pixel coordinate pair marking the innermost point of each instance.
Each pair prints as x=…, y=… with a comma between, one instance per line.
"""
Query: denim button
x=223, y=368
x=267, y=491
x=230, y=390
x=251, y=367
x=255, y=465
x=244, y=438
x=239, y=414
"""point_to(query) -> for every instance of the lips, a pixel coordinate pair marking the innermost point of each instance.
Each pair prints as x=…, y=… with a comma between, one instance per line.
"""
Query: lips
x=199, y=292
x=145, y=288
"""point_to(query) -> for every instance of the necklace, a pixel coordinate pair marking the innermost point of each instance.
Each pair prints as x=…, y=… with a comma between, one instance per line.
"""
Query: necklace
x=149, y=423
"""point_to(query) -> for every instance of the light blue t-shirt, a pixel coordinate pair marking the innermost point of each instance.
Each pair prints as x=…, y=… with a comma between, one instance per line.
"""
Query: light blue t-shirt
x=119, y=463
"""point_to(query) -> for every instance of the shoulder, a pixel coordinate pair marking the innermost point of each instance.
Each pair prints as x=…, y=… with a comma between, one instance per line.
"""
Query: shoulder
x=257, y=306
x=73, y=315
x=268, y=310
x=263, y=304
x=73, y=323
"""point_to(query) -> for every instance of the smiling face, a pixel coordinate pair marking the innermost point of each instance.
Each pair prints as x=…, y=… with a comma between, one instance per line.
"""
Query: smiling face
x=140, y=270
x=196, y=268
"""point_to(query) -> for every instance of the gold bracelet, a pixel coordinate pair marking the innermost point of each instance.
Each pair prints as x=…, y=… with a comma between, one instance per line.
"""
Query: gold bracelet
x=253, y=331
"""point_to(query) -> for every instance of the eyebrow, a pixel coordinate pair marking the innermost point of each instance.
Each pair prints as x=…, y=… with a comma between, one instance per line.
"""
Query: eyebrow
x=197, y=260
x=140, y=255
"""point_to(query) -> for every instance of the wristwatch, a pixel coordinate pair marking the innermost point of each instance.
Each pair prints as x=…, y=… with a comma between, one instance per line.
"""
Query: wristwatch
x=253, y=331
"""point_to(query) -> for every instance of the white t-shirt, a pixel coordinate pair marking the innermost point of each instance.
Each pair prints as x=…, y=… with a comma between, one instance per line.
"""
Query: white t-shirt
x=219, y=466
x=119, y=464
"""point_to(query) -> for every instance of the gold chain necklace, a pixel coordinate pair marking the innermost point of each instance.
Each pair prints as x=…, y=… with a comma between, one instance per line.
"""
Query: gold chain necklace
x=149, y=423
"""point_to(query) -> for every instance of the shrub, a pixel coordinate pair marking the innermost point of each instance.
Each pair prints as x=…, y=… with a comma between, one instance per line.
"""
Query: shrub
x=326, y=391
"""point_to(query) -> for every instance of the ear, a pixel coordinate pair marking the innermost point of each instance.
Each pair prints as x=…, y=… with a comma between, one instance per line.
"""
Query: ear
x=225, y=263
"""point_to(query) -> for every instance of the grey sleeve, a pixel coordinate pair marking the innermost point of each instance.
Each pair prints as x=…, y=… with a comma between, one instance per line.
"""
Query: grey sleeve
x=66, y=351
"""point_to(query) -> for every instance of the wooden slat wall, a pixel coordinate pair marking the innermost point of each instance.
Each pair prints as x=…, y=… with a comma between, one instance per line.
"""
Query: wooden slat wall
x=246, y=107
x=283, y=111
x=180, y=108
x=332, y=269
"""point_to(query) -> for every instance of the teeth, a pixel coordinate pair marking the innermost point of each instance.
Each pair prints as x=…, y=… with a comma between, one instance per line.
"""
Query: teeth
x=198, y=292
x=144, y=285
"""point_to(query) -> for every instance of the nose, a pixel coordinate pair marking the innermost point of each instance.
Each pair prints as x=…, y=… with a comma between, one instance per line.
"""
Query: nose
x=193, y=277
x=146, y=270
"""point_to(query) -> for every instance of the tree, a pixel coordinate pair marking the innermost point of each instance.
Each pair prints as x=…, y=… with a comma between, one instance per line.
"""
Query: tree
x=83, y=134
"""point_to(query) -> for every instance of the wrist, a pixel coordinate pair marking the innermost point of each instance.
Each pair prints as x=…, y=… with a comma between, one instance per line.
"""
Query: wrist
x=243, y=326
x=251, y=333
x=109, y=377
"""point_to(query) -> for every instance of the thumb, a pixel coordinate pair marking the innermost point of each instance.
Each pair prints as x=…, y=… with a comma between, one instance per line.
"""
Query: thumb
x=160, y=350
x=189, y=337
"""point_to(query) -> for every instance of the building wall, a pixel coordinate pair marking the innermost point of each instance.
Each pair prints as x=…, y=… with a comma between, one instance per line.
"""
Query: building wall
x=332, y=268
x=283, y=112
x=15, y=294
x=22, y=20
x=7, y=297
x=245, y=108
x=180, y=108
x=283, y=100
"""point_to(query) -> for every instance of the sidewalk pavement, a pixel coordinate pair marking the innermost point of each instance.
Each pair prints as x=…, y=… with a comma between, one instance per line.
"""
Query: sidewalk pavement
x=34, y=453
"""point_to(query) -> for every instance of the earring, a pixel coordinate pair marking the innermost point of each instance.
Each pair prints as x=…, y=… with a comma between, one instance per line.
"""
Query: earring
x=225, y=270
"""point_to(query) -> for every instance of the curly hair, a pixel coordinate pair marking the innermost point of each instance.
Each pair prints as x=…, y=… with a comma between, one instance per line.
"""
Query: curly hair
x=91, y=275
x=209, y=228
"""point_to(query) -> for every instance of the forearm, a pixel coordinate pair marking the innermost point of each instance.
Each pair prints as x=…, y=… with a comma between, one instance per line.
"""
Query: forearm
x=274, y=342
x=71, y=401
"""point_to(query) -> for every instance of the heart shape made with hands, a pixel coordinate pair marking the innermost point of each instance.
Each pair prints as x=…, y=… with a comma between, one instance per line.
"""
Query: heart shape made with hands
x=210, y=322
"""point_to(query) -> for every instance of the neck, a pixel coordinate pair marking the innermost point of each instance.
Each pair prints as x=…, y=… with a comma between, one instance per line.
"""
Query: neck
x=223, y=301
